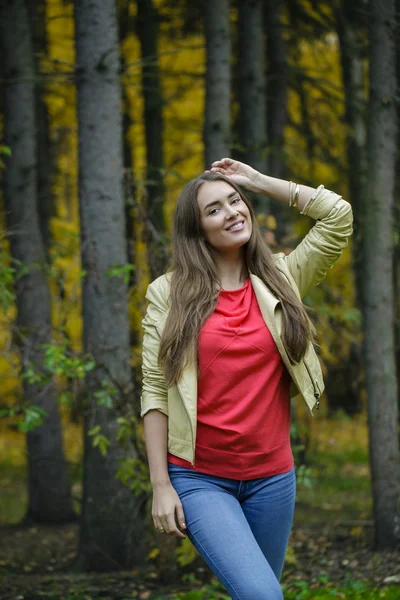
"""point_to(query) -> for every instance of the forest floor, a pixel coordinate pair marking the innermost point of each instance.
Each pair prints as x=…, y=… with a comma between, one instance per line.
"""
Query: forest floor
x=34, y=564
x=330, y=555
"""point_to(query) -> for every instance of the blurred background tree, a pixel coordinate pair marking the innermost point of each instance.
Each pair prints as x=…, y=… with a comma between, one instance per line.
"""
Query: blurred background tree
x=48, y=484
x=378, y=290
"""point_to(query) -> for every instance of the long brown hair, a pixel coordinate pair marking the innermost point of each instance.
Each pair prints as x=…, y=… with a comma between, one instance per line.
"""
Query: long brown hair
x=195, y=282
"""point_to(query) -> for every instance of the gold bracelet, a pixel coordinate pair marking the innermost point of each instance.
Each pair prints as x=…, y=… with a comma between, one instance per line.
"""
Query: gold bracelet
x=296, y=195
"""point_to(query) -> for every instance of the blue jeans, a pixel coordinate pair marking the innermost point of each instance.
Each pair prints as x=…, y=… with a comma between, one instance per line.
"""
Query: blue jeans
x=240, y=528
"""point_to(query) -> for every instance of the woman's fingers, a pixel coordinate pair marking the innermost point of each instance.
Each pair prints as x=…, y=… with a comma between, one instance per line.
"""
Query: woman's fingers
x=158, y=525
x=175, y=531
x=170, y=526
x=169, y=523
x=226, y=166
x=223, y=161
x=180, y=517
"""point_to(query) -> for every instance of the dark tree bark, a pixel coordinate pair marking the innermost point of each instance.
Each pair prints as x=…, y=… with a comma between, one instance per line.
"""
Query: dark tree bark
x=218, y=81
x=147, y=30
x=397, y=214
x=251, y=91
x=45, y=152
x=46, y=169
x=277, y=86
x=277, y=92
x=353, y=60
x=352, y=32
x=49, y=490
x=378, y=292
x=126, y=27
x=112, y=525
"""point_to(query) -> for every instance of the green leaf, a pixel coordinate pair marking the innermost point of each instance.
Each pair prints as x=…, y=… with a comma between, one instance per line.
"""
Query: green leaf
x=89, y=365
x=94, y=430
x=104, y=398
x=65, y=398
x=31, y=375
x=102, y=443
x=23, y=270
x=33, y=417
x=6, y=150
x=123, y=271
x=353, y=315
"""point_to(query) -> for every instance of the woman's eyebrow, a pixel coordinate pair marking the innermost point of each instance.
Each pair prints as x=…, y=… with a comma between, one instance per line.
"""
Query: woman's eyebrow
x=218, y=201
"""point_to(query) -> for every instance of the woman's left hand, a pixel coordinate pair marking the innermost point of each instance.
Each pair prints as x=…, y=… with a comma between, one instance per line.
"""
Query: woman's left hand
x=240, y=173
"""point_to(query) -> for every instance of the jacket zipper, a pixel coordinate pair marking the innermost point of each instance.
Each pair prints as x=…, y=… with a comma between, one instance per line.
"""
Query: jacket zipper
x=316, y=392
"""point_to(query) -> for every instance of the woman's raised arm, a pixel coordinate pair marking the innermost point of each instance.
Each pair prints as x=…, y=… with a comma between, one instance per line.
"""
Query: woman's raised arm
x=323, y=245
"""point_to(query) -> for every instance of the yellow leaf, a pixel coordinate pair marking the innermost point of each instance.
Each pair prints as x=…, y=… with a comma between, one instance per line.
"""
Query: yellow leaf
x=290, y=556
x=271, y=222
x=186, y=553
x=154, y=553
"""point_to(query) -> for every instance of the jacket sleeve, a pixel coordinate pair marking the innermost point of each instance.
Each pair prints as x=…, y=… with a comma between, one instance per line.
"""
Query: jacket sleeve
x=154, y=390
x=323, y=245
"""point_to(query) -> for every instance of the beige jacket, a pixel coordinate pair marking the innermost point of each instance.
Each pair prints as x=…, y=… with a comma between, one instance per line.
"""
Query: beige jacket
x=304, y=268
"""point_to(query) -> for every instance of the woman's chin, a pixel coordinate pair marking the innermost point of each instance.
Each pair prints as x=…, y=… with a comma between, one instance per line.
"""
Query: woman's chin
x=234, y=245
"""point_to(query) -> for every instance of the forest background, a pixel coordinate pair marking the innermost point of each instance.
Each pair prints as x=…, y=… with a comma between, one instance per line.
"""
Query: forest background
x=107, y=109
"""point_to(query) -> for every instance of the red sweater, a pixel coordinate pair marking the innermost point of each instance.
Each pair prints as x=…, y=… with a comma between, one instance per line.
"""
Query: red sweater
x=243, y=404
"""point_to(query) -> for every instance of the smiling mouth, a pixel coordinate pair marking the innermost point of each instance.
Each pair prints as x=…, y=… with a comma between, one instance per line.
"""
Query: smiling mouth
x=236, y=227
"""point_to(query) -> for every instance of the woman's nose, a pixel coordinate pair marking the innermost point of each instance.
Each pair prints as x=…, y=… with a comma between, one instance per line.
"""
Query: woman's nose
x=231, y=212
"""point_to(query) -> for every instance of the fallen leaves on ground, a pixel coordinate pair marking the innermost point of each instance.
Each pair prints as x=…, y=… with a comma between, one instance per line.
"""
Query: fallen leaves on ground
x=35, y=562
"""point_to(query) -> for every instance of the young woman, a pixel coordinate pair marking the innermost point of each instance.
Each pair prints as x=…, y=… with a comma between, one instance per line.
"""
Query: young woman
x=226, y=340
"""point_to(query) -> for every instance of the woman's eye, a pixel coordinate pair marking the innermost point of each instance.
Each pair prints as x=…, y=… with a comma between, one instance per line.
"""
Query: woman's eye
x=214, y=211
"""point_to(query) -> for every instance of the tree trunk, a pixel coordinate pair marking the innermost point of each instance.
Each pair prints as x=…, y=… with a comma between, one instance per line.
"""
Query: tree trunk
x=49, y=490
x=251, y=91
x=397, y=215
x=352, y=32
x=45, y=152
x=125, y=26
x=46, y=168
x=378, y=293
x=147, y=30
x=277, y=87
x=112, y=525
x=218, y=81
x=277, y=97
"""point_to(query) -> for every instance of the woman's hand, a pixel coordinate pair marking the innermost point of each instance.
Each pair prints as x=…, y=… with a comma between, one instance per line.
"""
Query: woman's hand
x=241, y=174
x=167, y=511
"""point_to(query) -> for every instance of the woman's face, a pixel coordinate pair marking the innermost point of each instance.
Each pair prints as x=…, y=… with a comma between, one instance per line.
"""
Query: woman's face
x=224, y=217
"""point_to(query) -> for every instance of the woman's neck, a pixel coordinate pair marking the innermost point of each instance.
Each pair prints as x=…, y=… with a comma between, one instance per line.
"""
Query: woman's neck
x=231, y=270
